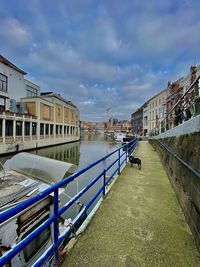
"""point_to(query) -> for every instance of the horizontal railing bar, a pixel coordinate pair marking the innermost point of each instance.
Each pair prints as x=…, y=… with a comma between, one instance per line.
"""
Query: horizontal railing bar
x=94, y=197
x=86, y=208
x=7, y=214
x=112, y=175
x=49, y=252
x=22, y=244
x=122, y=162
x=123, y=154
x=111, y=165
x=30, y=202
x=195, y=172
x=71, y=202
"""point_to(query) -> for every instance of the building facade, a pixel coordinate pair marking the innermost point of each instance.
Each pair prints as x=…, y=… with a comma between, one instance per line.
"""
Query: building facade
x=137, y=121
x=179, y=102
x=182, y=102
x=30, y=119
x=114, y=125
x=156, y=111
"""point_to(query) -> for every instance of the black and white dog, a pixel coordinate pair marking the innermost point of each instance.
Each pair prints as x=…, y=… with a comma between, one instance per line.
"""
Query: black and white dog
x=135, y=161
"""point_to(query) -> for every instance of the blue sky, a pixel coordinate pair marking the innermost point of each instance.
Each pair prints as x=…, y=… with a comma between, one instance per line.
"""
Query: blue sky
x=100, y=54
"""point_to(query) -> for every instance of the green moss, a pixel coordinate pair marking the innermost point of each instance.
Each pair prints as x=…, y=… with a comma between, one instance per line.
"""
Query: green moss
x=140, y=223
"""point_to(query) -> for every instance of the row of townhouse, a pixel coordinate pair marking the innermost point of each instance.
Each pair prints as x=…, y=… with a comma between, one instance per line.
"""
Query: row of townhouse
x=114, y=125
x=31, y=119
x=177, y=103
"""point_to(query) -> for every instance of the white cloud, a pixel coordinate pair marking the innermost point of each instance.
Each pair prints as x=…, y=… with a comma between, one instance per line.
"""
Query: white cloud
x=15, y=31
x=106, y=52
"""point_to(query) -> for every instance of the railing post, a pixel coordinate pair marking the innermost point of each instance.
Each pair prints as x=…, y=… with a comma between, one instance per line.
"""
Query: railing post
x=126, y=154
x=104, y=183
x=104, y=177
x=119, y=162
x=56, y=227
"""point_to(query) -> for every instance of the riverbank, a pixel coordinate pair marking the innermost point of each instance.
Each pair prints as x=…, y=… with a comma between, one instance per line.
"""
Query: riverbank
x=140, y=223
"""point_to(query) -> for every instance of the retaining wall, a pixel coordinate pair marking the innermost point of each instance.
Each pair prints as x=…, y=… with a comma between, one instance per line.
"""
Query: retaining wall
x=34, y=144
x=185, y=184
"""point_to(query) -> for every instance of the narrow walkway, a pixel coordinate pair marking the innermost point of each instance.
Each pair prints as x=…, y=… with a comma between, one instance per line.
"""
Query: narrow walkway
x=140, y=223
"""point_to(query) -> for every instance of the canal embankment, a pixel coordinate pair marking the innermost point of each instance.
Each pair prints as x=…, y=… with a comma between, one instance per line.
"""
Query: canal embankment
x=185, y=182
x=140, y=222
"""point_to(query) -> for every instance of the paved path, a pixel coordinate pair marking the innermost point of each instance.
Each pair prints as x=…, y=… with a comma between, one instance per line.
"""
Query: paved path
x=140, y=223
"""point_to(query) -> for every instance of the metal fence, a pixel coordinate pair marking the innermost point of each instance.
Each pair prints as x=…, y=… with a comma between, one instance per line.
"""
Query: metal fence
x=186, y=107
x=120, y=160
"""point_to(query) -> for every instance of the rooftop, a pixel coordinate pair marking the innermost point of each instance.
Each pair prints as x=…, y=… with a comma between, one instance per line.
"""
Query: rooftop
x=58, y=96
x=11, y=65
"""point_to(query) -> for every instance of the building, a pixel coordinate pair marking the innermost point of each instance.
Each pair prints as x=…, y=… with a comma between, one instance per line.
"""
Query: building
x=177, y=103
x=182, y=102
x=30, y=119
x=137, y=121
x=114, y=125
x=156, y=111
x=145, y=119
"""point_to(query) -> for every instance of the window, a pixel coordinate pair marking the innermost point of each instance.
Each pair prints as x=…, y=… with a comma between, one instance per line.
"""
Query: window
x=3, y=82
x=51, y=129
x=60, y=130
x=47, y=129
x=34, y=246
x=56, y=129
x=34, y=128
x=1, y=122
x=30, y=91
x=9, y=128
x=18, y=128
x=27, y=128
x=42, y=129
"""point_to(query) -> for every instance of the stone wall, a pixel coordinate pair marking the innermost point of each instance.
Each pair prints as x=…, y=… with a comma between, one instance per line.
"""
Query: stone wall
x=185, y=184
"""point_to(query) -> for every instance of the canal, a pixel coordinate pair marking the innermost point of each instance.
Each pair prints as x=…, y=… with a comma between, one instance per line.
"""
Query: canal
x=82, y=153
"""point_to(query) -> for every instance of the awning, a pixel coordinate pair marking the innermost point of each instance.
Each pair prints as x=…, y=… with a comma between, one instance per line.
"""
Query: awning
x=45, y=169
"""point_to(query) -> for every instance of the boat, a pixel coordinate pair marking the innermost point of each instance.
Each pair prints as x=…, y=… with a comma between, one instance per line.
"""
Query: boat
x=118, y=136
x=22, y=177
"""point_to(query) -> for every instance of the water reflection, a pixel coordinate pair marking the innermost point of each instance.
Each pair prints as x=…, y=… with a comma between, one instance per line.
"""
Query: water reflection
x=66, y=152
x=90, y=148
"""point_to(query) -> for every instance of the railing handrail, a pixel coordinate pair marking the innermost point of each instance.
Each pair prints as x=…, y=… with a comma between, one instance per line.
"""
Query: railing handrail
x=8, y=214
x=4, y=215
x=167, y=114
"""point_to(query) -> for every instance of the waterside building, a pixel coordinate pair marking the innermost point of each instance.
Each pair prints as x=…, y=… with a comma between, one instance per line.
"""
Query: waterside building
x=170, y=107
x=31, y=119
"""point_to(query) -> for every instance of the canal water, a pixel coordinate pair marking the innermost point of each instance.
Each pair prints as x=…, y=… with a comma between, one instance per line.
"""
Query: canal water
x=82, y=153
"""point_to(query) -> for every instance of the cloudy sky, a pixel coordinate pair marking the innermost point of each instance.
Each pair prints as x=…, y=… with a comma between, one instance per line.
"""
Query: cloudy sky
x=101, y=54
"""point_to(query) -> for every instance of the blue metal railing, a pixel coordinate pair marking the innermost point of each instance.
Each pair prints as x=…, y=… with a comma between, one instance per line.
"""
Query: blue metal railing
x=122, y=158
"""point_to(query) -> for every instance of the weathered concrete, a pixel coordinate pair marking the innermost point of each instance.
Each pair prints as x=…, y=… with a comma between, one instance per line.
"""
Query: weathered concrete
x=187, y=127
x=185, y=183
x=140, y=223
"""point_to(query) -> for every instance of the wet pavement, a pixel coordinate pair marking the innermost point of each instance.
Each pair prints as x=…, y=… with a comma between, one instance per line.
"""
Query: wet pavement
x=140, y=222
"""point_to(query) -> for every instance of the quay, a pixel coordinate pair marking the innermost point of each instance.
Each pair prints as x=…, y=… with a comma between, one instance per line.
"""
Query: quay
x=140, y=222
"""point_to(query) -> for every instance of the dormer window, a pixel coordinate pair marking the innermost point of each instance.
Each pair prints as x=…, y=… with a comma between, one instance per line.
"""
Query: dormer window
x=3, y=83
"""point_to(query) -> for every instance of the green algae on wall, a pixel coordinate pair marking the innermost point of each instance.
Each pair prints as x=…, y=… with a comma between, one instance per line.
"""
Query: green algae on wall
x=184, y=182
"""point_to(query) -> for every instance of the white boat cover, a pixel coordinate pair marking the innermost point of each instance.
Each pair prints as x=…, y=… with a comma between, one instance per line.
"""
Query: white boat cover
x=45, y=169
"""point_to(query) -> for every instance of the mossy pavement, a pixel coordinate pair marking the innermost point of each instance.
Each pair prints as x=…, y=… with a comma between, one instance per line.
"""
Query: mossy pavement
x=140, y=223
